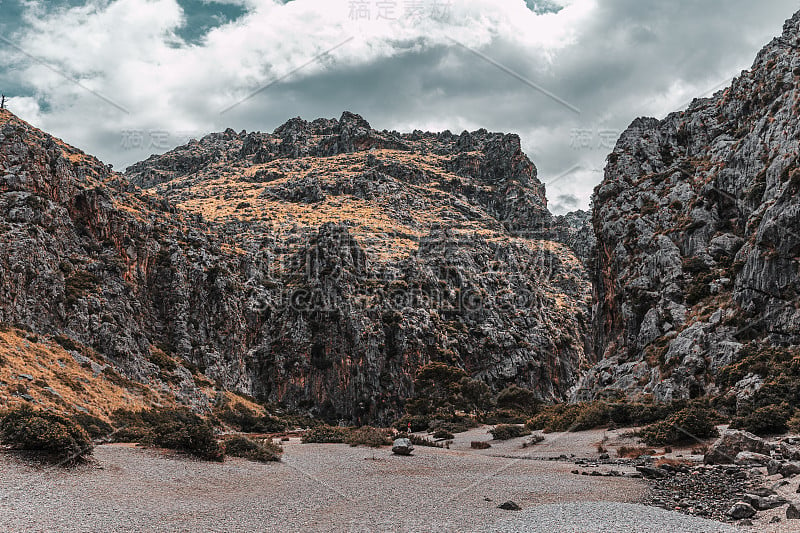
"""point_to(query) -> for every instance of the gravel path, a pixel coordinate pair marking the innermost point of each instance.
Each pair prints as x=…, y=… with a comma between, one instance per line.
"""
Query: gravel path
x=604, y=517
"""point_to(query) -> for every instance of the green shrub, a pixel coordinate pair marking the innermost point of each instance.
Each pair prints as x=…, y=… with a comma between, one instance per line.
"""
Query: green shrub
x=453, y=423
x=591, y=416
x=175, y=429
x=504, y=416
x=768, y=420
x=325, y=435
x=162, y=360
x=686, y=426
x=418, y=423
x=794, y=424
x=194, y=437
x=508, y=431
x=262, y=451
x=555, y=418
x=442, y=434
x=97, y=428
x=53, y=437
x=367, y=436
x=516, y=398
x=245, y=420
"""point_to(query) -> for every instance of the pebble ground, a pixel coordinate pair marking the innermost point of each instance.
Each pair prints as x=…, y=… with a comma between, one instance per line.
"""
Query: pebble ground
x=331, y=488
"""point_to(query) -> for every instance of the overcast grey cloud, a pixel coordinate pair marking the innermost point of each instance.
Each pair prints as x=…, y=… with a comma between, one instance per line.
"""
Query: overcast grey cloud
x=176, y=64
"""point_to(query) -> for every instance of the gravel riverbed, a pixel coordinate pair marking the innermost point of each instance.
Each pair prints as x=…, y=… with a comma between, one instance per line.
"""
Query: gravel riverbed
x=331, y=488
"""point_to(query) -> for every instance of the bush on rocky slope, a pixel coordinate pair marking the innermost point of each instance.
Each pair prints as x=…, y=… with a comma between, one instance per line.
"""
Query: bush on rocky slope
x=175, y=429
x=767, y=420
x=590, y=415
x=245, y=420
x=688, y=426
x=50, y=436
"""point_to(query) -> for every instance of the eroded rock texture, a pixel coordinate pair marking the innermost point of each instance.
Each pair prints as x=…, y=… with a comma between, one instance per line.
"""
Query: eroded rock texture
x=318, y=266
x=698, y=230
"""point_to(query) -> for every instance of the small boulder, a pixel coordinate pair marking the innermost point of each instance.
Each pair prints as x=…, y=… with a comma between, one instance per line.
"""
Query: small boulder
x=509, y=506
x=751, y=458
x=789, y=469
x=650, y=472
x=793, y=512
x=402, y=447
x=792, y=453
x=731, y=443
x=741, y=510
x=763, y=492
x=764, y=503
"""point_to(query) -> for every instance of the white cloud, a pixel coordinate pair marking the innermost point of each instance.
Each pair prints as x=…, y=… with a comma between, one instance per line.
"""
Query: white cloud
x=614, y=60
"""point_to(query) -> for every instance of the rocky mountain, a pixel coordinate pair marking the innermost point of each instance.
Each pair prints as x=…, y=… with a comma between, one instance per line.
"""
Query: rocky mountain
x=321, y=265
x=318, y=266
x=576, y=231
x=698, y=230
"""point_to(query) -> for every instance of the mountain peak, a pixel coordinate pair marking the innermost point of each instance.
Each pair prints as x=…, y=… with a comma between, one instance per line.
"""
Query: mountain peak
x=791, y=28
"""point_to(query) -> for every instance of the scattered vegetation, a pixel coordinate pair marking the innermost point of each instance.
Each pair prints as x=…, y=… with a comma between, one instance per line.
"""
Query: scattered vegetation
x=584, y=416
x=78, y=284
x=479, y=445
x=686, y=426
x=634, y=452
x=244, y=419
x=325, y=435
x=443, y=393
x=175, y=429
x=367, y=436
x=508, y=431
x=262, y=451
x=767, y=420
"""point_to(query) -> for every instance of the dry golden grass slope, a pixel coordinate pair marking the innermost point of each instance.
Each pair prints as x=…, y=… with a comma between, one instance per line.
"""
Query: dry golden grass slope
x=39, y=370
x=60, y=375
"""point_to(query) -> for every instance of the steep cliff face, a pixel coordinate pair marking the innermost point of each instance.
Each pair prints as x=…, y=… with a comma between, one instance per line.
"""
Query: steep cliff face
x=698, y=230
x=82, y=258
x=318, y=266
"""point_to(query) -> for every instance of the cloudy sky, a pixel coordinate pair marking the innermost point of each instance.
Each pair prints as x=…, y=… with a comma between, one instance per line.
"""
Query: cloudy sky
x=123, y=79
